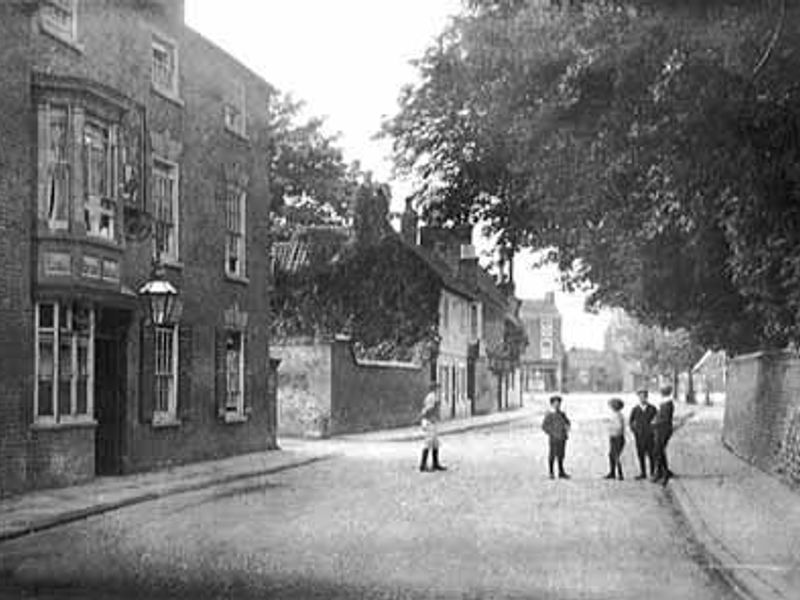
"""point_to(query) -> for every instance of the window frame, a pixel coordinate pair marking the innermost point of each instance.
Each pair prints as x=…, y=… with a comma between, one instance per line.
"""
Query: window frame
x=98, y=203
x=73, y=417
x=550, y=352
x=169, y=46
x=235, y=411
x=237, y=105
x=51, y=163
x=170, y=415
x=239, y=192
x=172, y=169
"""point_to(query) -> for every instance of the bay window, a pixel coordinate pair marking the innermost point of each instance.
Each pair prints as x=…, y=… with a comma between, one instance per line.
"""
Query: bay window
x=99, y=179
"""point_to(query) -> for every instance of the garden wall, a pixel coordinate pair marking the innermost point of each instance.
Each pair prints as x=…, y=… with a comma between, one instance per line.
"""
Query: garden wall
x=324, y=390
x=762, y=411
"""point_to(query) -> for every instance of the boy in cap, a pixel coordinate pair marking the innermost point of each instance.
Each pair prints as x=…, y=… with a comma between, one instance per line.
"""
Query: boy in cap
x=662, y=432
x=641, y=421
x=616, y=438
x=556, y=425
x=428, y=418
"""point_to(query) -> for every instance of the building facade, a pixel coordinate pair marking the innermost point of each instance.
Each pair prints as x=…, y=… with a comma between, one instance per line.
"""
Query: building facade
x=543, y=359
x=128, y=139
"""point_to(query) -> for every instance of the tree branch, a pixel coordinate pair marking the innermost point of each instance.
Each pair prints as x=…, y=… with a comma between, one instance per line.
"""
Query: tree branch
x=772, y=42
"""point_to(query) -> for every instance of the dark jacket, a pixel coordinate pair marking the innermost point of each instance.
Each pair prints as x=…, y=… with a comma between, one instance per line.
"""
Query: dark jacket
x=663, y=420
x=556, y=424
x=642, y=419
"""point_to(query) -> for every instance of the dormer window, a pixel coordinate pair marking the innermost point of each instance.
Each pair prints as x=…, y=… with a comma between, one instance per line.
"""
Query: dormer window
x=60, y=18
x=164, y=69
x=235, y=111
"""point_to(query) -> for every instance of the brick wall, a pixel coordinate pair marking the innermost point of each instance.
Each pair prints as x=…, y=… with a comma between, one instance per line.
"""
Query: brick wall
x=323, y=390
x=762, y=411
x=17, y=129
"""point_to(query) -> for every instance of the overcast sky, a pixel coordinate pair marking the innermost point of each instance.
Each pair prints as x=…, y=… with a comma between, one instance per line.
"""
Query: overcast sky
x=348, y=60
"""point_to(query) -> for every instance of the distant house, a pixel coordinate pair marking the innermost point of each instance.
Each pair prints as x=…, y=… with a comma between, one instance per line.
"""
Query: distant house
x=590, y=370
x=542, y=360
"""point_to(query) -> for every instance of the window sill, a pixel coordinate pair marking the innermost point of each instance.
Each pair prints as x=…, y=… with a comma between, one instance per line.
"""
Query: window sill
x=243, y=279
x=172, y=264
x=232, y=418
x=170, y=95
x=67, y=40
x=237, y=134
x=64, y=424
x=164, y=421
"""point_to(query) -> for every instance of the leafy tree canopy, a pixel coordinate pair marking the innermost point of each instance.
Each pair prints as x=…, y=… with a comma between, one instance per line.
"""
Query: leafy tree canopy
x=650, y=147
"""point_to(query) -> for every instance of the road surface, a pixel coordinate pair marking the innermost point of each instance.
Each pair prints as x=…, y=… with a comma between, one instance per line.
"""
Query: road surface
x=368, y=524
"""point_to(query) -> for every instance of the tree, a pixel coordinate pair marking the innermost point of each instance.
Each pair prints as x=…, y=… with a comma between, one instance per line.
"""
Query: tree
x=310, y=180
x=649, y=147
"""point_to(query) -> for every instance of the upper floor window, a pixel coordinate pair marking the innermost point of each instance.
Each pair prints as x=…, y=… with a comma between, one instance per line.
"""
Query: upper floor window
x=547, y=326
x=78, y=170
x=58, y=176
x=60, y=18
x=446, y=312
x=473, y=321
x=235, y=226
x=64, y=388
x=235, y=110
x=164, y=69
x=100, y=152
x=547, y=348
x=166, y=209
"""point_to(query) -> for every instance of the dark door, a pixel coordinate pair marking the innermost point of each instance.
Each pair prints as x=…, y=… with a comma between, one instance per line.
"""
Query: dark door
x=471, y=384
x=109, y=402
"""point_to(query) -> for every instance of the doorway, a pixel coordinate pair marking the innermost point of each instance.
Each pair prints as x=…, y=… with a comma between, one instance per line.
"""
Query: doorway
x=110, y=376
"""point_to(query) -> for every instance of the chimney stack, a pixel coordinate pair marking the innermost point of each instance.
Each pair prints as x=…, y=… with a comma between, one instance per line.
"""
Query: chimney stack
x=409, y=223
x=550, y=298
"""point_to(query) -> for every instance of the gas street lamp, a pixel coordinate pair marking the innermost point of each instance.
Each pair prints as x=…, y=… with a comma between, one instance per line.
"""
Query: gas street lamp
x=161, y=298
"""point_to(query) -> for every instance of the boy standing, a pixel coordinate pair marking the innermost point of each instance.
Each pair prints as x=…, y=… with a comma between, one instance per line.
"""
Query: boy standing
x=641, y=422
x=662, y=432
x=616, y=438
x=429, y=415
x=556, y=425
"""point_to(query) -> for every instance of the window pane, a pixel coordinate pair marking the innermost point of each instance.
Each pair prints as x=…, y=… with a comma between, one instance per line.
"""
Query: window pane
x=45, y=399
x=58, y=167
x=46, y=316
x=46, y=369
x=83, y=376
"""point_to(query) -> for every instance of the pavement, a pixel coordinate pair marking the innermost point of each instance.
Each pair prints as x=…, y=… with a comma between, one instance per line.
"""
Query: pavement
x=747, y=521
x=40, y=510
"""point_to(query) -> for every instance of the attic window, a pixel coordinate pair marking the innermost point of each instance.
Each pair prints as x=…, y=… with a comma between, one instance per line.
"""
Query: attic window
x=164, y=66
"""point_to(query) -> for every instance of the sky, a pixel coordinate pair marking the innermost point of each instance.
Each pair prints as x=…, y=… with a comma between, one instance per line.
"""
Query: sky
x=348, y=60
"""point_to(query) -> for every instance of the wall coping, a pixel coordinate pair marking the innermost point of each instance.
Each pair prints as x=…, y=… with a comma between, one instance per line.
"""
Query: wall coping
x=784, y=353
x=388, y=364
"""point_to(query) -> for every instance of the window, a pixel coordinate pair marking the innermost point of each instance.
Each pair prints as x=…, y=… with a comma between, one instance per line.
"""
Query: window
x=235, y=111
x=235, y=205
x=59, y=17
x=547, y=349
x=164, y=68
x=166, y=375
x=64, y=388
x=74, y=141
x=165, y=207
x=234, y=374
x=58, y=172
x=446, y=311
x=547, y=326
x=473, y=321
x=100, y=151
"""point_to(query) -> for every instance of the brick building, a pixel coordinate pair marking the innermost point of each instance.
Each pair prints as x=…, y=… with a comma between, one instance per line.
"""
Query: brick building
x=127, y=137
x=542, y=361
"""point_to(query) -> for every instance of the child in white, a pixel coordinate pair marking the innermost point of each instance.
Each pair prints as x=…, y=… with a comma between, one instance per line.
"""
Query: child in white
x=616, y=438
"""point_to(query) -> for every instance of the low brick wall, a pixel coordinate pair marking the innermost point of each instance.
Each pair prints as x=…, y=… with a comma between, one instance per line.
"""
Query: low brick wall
x=762, y=411
x=324, y=390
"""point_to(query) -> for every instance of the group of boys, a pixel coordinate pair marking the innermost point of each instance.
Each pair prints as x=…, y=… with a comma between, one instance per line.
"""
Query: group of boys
x=652, y=429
